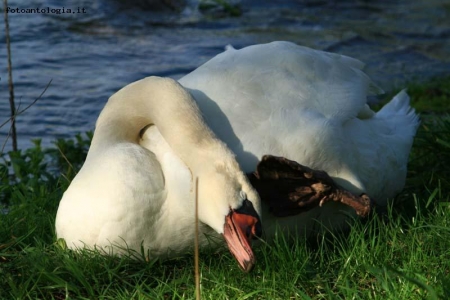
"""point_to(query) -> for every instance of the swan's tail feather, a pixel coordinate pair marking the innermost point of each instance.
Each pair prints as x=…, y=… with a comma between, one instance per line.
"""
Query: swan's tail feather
x=388, y=139
x=399, y=112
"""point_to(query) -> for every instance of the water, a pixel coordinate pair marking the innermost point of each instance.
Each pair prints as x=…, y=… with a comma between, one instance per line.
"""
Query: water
x=90, y=56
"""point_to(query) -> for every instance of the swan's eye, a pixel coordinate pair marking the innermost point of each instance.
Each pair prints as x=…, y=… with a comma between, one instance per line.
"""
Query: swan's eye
x=243, y=195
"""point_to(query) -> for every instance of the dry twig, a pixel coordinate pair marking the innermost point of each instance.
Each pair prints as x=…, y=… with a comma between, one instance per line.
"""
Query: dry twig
x=10, y=81
x=196, y=251
x=17, y=113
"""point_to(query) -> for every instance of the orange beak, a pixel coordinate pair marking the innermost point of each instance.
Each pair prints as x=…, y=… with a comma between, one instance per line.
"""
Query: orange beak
x=242, y=225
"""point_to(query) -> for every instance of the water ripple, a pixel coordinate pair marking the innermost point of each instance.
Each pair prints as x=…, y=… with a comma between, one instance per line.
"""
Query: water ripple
x=90, y=56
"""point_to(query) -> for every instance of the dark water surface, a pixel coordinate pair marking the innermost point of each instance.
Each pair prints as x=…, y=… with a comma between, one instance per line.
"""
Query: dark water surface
x=90, y=56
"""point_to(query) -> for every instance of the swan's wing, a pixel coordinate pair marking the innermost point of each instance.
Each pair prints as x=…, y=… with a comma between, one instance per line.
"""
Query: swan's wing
x=282, y=75
x=308, y=106
x=282, y=99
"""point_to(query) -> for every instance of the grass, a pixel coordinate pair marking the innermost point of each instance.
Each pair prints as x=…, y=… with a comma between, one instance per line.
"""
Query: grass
x=432, y=97
x=405, y=255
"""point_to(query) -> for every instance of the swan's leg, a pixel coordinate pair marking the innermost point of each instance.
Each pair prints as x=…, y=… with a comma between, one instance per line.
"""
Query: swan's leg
x=290, y=188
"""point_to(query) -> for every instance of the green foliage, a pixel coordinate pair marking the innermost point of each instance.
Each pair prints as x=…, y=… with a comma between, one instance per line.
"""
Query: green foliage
x=432, y=97
x=428, y=175
x=23, y=173
x=69, y=154
x=431, y=155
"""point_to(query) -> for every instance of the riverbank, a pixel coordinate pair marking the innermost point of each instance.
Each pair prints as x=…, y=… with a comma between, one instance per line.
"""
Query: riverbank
x=402, y=255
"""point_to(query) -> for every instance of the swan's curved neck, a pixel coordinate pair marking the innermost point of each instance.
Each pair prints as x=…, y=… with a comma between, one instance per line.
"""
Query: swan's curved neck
x=164, y=103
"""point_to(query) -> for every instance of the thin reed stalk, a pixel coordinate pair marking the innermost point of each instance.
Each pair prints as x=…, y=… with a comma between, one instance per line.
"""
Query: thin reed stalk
x=10, y=80
x=196, y=251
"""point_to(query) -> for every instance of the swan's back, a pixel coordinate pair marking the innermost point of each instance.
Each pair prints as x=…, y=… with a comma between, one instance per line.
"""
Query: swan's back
x=282, y=75
x=309, y=106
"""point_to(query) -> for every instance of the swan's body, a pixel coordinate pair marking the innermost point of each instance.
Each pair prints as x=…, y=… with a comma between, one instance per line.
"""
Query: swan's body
x=279, y=99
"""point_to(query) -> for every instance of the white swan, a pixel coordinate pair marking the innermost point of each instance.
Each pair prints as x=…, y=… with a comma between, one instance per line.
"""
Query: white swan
x=278, y=98
x=130, y=196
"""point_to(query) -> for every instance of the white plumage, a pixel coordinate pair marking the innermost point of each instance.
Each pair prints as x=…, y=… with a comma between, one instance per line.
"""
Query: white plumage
x=278, y=98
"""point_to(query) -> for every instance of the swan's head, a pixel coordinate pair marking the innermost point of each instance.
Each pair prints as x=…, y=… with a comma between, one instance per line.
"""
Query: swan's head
x=231, y=206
